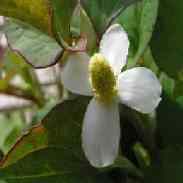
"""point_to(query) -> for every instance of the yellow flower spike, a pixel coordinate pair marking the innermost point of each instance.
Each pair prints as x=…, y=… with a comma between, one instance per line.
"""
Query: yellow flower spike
x=102, y=78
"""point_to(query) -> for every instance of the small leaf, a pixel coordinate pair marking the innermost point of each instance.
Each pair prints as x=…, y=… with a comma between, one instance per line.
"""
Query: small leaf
x=37, y=48
x=142, y=155
x=82, y=27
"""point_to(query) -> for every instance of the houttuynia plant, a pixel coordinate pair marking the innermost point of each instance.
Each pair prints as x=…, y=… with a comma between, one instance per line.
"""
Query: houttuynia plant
x=119, y=75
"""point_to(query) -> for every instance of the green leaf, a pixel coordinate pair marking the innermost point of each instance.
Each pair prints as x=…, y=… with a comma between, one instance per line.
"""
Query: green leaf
x=36, y=13
x=168, y=169
x=102, y=12
x=167, y=39
x=37, y=48
x=62, y=14
x=139, y=20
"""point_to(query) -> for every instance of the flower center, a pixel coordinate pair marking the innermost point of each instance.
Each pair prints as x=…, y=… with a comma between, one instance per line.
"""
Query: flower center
x=102, y=78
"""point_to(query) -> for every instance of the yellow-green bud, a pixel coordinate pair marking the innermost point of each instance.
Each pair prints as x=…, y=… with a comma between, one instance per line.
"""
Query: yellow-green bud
x=102, y=78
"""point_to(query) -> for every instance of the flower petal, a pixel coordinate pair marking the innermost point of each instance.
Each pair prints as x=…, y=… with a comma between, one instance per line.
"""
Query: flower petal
x=101, y=133
x=3, y=41
x=139, y=89
x=75, y=74
x=114, y=46
x=3, y=45
x=2, y=20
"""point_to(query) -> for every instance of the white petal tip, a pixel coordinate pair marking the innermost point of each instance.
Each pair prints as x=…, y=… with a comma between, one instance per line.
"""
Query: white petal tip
x=101, y=164
x=149, y=111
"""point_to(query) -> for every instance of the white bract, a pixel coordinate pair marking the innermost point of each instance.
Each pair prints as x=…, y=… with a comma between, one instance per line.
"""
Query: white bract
x=3, y=45
x=2, y=20
x=101, y=77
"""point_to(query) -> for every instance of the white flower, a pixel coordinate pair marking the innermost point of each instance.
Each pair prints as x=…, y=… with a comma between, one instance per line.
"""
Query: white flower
x=138, y=88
